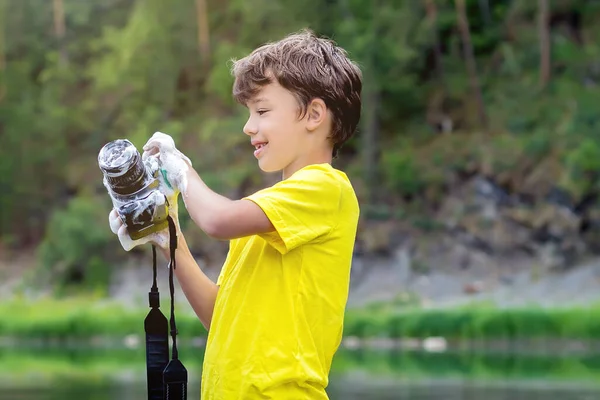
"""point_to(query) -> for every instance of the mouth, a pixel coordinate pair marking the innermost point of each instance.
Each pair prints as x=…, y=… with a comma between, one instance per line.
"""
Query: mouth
x=259, y=148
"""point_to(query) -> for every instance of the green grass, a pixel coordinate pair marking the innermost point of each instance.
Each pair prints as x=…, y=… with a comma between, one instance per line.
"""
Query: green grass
x=475, y=323
x=84, y=318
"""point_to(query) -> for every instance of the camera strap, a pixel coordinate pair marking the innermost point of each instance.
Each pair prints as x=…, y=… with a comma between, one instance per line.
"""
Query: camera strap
x=157, y=340
x=167, y=380
x=175, y=375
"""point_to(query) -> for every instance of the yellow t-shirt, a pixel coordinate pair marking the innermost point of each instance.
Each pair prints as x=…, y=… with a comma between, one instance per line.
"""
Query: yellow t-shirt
x=279, y=313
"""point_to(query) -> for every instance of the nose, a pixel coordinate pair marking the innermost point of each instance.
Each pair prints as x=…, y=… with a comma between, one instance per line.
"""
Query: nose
x=250, y=127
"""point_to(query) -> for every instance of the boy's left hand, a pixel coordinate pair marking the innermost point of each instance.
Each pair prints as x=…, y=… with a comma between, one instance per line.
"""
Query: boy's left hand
x=173, y=163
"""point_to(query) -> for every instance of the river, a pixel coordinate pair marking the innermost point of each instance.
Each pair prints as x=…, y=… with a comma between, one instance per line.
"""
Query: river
x=118, y=374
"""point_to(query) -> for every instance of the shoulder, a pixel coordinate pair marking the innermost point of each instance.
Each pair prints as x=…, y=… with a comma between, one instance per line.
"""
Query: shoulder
x=316, y=177
x=304, y=207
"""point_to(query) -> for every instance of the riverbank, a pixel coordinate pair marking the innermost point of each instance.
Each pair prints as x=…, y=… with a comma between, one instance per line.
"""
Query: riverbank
x=81, y=318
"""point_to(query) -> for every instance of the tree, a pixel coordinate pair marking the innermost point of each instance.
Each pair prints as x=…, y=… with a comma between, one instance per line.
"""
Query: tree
x=203, y=30
x=463, y=26
x=3, y=19
x=484, y=6
x=60, y=29
x=432, y=17
x=544, y=33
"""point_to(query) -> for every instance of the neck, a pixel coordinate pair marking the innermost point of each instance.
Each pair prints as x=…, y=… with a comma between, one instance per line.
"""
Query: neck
x=316, y=157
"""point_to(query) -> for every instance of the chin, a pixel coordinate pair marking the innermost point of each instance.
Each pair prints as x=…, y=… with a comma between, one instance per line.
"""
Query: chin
x=265, y=166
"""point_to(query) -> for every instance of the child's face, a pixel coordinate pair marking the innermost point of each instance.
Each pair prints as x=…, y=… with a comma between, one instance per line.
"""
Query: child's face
x=277, y=133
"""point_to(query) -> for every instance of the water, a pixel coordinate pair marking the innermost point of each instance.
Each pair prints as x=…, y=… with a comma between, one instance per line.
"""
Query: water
x=426, y=391
x=87, y=374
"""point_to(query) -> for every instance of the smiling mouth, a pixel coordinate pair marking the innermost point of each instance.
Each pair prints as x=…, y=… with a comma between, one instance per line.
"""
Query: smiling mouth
x=259, y=148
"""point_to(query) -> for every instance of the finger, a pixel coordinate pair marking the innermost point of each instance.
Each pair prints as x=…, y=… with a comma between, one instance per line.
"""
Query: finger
x=125, y=240
x=122, y=232
x=114, y=221
x=161, y=140
x=151, y=152
x=160, y=239
x=152, y=144
x=183, y=157
x=162, y=137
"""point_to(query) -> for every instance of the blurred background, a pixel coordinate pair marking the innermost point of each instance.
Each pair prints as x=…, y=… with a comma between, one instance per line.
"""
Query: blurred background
x=477, y=166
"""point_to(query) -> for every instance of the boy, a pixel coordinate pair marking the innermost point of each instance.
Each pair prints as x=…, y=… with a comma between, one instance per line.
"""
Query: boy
x=275, y=315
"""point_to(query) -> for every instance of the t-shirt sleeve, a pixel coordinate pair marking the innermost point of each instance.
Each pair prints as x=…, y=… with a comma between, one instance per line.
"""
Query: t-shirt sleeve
x=302, y=208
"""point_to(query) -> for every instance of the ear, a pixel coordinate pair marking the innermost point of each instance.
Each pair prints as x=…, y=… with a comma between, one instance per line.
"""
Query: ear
x=316, y=113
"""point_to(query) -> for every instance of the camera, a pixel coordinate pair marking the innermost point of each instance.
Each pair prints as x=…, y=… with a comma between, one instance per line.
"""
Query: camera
x=133, y=186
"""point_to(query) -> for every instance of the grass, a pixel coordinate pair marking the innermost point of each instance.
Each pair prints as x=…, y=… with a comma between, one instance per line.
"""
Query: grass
x=81, y=318
x=84, y=318
x=475, y=323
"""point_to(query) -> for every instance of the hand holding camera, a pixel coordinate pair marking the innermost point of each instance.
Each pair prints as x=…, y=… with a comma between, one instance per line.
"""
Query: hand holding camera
x=160, y=238
x=142, y=195
x=173, y=163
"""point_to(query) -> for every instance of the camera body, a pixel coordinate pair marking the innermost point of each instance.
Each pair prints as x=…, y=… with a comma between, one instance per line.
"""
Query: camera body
x=133, y=186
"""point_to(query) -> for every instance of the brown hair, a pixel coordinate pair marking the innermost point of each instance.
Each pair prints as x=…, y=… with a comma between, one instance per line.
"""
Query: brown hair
x=309, y=67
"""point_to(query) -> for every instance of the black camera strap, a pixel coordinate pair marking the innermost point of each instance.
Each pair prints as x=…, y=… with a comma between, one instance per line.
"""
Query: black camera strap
x=157, y=340
x=167, y=380
x=175, y=375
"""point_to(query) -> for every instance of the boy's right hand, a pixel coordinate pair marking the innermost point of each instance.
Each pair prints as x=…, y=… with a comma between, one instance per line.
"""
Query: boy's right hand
x=174, y=165
x=160, y=239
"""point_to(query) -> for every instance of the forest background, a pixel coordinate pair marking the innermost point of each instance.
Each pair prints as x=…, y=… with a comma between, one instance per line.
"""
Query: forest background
x=477, y=161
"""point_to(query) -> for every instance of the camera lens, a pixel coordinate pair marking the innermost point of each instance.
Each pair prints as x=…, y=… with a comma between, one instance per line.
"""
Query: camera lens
x=122, y=166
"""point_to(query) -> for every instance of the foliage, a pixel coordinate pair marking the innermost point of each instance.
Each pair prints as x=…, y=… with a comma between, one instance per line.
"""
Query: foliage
x=127, y=68
x=86, y=317
x=83, y=318
x=77, y=248
x=475, y=323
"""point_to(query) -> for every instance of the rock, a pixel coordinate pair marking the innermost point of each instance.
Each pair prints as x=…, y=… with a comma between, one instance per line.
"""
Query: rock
x=435, y=344
x=540, y=182
x=487, y=191
x=498, y=236
x=375, y=237
x=555, y=233
x=473, y=287
x=590, y=229
x=558, y=220
x=544, y=228
x=351, y=342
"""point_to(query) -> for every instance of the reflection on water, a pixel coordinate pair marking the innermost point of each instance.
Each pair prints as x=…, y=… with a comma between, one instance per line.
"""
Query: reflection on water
x=29, y=374
x=427, y=390
x=434, y=390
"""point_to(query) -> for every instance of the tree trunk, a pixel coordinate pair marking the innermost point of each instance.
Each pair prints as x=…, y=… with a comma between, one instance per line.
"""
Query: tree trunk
x=370, y=142
x=203, y=30
x=513, y=15
x=463, y=26
x=437, y=51
x=3, y=22
x=370, y=138
x=369, y=121
x=544, y=33
x=60, y=29
x=484, y=7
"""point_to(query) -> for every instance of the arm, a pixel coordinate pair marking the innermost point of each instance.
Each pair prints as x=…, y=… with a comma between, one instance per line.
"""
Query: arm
x=199, y=290
x=216, y=215
x=220, y=217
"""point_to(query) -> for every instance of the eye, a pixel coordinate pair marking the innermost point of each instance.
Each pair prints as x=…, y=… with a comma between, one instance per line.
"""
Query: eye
x=261, y=112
